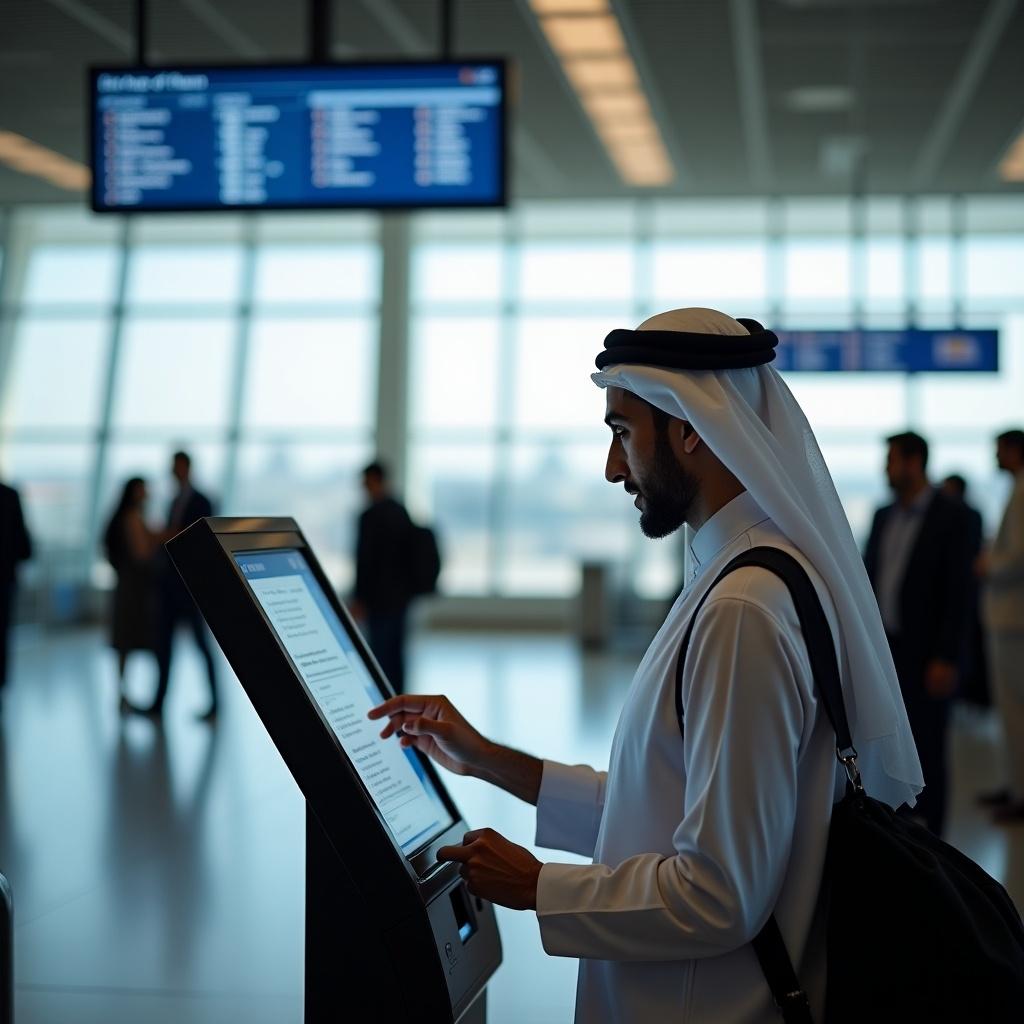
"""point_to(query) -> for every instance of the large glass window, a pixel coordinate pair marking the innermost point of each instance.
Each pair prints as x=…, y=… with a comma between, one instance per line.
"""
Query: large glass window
x=197, y=274
x=453, y=484
x=253, y=341
x=288, y=389
x=554, y=358
x=712, y=273
x=559, y=513
x=315, y=483
x=174, y=374
x=71, y=275
x=56, y=374
x=292, y=274
x=506, y=449
x=310, y=373
x=557, y=272
x=454, y=385
x=445, y=272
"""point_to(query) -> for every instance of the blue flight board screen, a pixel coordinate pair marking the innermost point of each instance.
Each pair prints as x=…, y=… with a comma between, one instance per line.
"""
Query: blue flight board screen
x=299, y=137
x=889, y=351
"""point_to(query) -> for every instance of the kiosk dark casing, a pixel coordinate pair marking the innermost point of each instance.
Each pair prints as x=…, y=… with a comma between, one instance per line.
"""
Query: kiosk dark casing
x=397, y=926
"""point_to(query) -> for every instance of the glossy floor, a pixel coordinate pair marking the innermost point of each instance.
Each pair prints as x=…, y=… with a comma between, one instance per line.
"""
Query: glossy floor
x=158, y=873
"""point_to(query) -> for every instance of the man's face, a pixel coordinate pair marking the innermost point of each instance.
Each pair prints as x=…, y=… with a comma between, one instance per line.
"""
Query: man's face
x=180, y=470
x=373, y=485
x=900, y=470
x=1007, y=457
x=642, y=459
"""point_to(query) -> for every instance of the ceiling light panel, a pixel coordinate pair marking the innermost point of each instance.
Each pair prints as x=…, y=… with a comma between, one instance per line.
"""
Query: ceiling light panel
x=27, y=157
x=594, y=74
x=542, y=7
x=589, y=34
x=616, y=106
x=586, y=37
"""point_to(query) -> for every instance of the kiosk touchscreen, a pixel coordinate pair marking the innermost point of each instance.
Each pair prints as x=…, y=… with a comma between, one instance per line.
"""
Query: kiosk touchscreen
x=381, y=912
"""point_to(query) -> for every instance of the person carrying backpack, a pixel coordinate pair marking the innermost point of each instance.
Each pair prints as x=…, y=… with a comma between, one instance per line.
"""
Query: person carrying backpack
x=396, y=562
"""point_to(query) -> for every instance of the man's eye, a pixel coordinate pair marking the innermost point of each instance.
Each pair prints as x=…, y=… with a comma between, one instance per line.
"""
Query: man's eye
x=618, y=431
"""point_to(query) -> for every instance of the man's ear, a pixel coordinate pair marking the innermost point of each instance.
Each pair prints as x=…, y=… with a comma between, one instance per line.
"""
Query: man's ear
x=690, y=438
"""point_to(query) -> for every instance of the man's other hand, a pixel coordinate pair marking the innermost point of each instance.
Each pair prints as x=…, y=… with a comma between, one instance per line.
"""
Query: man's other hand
x=496, y=869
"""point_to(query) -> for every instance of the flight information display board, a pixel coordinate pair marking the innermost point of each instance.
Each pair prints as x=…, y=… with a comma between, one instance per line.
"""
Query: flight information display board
x=299, y=137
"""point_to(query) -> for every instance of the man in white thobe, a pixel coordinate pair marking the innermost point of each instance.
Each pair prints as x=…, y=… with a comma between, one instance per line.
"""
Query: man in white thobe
x=697, y=839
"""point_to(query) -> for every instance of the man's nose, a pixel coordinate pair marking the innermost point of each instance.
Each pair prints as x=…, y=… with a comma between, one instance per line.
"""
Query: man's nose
x=615, y=469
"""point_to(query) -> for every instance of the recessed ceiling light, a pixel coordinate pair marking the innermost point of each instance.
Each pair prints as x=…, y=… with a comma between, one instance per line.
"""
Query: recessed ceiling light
x=616, y=106
x=569, y=6
x=640, y=129
x=592, y=74
x=840, y=155
x=643, y=166
x=585, y=35
x=819, y=99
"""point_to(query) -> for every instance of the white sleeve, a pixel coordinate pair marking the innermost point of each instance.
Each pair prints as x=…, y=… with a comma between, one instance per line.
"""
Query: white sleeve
x=744, y=718
x=569, y=807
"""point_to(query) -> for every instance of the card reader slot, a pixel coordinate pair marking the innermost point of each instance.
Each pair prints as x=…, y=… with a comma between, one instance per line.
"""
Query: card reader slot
x=465, y=918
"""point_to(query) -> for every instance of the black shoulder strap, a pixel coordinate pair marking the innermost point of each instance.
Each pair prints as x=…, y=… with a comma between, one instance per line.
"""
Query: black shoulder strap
x=813, y=624
x=769, y=945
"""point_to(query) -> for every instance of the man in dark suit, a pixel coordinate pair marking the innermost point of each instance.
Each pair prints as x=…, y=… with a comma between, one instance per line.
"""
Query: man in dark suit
x=15, y=547
x=974, y=686
x=382, y=590
x=918, y=562
x=174, y=601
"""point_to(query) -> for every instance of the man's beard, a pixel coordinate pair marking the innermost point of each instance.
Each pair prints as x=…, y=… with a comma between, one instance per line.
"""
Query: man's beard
x=668, y=492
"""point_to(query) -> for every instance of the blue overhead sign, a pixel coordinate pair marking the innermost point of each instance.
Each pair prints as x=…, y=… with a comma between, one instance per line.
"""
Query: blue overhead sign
x=879, y=351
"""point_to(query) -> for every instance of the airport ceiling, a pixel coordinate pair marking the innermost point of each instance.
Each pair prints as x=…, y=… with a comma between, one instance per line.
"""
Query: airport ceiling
x=752, y=96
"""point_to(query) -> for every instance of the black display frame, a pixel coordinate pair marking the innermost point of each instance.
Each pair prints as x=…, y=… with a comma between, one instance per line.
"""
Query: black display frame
x=500, y=63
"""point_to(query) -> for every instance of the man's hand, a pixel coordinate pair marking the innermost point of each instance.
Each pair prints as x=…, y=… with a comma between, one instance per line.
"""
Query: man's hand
x=496, y=869
x=940, y=678
x=434, y=727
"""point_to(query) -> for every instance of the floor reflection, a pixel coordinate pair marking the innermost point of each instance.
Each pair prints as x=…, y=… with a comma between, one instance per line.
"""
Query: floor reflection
x=156, y=848
x=158, y=871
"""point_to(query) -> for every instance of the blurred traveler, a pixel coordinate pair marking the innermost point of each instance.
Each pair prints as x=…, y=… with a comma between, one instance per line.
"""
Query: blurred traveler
x=174, y=603
x=974, y=671
x=918, y=563
x=382, y=594
x=15, y=547
x=131, y=547
x=1003, y=570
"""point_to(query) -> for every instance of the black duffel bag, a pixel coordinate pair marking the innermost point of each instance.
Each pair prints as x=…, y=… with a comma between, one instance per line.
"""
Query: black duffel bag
x=916, y=930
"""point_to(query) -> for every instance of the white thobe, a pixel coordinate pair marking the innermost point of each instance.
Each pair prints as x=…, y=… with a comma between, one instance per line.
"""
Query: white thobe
x=697, y=840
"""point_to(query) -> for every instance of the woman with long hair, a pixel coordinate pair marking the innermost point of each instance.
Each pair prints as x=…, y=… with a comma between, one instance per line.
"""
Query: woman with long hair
x=130, y=546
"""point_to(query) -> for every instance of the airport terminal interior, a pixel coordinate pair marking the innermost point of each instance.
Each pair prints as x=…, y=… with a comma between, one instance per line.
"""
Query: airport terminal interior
x=849, y=173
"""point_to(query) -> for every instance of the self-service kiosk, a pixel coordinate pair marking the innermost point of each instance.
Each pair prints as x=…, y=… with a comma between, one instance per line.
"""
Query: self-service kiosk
x=388, y=928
